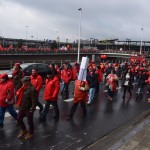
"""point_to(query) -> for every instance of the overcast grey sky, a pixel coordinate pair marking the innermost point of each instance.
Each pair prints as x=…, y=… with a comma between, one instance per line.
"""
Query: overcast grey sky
x=101, y=19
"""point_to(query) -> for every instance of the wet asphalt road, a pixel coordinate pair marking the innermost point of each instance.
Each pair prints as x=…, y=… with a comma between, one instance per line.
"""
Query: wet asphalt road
x=102, y=118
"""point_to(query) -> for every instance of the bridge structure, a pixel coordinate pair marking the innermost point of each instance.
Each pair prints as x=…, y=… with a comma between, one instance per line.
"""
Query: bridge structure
x=7, y=60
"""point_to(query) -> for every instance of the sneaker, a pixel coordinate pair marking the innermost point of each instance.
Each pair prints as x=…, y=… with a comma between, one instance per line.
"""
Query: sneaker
x=88, y=102
x=51, y=106
x=28, y=136
x=119, y=87
x=22, y=134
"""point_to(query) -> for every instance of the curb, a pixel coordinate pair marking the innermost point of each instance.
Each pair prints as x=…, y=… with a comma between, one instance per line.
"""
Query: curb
x=121, y=135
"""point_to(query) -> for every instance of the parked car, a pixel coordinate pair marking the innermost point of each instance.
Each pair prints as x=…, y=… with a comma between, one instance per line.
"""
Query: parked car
x=42, y=69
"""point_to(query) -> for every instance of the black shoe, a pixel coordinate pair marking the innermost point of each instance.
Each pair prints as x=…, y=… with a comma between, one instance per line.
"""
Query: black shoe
x=1, y=125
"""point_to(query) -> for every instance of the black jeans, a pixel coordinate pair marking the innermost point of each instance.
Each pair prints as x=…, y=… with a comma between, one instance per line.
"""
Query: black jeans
x=110, y=92
x=125, y=89
x=74, y=107
x=46, y=109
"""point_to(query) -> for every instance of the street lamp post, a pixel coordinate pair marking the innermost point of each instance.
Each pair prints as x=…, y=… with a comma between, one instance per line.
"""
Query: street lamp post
x=78, y=58
x=58, y=40
x=26, y=35
x=141, y=41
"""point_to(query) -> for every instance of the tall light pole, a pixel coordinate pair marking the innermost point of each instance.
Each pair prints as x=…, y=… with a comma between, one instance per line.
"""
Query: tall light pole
x=141, y=41
x=58, y=39
x=78, y=58
x=26, y=35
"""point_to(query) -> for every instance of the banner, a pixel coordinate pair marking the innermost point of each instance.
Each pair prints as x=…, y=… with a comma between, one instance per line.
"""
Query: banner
x=83, y=69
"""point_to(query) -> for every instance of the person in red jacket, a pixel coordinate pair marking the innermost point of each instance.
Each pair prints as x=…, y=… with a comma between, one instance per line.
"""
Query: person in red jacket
x=111, y=84
x=37, y=82
x=6, y=98
x=75, y=71
x=80, y=96
x=66, y=76
x=58, y=71
x=148, y=89
x=98, y=71
x=51, y=92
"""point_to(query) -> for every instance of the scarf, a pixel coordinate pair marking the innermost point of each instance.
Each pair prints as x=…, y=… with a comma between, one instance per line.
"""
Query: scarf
x=19, y=95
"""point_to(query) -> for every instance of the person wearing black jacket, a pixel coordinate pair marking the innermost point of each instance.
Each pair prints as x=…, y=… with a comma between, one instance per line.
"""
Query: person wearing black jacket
x=92, y=79
x=141, y=82
x=127, y=84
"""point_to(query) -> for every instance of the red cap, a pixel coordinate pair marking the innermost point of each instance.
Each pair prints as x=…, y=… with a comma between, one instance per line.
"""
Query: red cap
x=3, y=75
x=17, y=64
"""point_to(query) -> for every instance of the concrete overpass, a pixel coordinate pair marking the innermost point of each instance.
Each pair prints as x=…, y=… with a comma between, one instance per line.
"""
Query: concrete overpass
x=8, y=59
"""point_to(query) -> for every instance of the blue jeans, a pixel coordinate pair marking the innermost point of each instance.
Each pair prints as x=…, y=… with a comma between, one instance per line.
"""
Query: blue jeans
x=65, y=89
x=10, y=109
x=91, y=94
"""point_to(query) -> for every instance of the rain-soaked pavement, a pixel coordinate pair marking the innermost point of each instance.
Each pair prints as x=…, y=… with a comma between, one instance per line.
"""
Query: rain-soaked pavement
x=102, y=118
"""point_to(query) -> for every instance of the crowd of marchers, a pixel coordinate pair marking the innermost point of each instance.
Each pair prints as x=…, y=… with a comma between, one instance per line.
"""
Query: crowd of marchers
x=23, y=91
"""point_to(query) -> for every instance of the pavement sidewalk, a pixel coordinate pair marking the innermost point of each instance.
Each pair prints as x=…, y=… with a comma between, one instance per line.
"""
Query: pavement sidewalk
x=134, y=135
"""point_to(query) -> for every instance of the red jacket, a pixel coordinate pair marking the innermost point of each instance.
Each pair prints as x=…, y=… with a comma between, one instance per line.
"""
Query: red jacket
x=148, y=80
x=37, y=82
x=52, y=89
x=75, y=71
x=66, y=75
x=111, y=82
x=79, y=95
x=100, y=75
x=58, y=71
x=6, y=92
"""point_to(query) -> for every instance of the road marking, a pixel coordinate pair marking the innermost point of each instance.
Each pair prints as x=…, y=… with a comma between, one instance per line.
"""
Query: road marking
x=68, y=100
x=7, y=114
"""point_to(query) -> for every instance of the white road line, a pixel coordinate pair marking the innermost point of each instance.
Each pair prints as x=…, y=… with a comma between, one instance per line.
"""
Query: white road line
x=37, y=108
x=68, y=100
